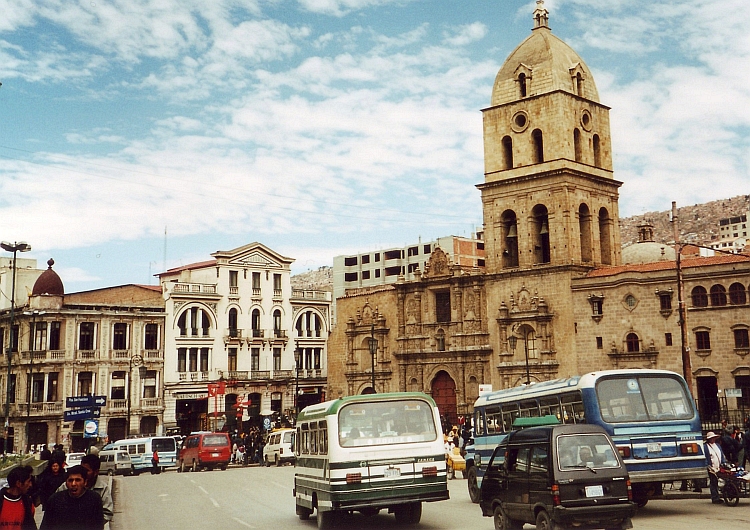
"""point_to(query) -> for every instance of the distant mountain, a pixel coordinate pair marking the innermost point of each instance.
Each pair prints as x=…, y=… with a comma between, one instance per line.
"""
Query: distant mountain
x=698, y=223
x=318, y=280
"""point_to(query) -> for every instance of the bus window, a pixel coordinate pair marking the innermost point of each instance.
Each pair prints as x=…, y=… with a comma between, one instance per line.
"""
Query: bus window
x=494, y=420
x=305, y=441
x=510, y=413
x=529, y=409
x=572, y=408
x=478, y=423
x=665, y=398
x=141, y=448
x=323, y=438
x=296, y=441
x=132, y=449
x=313, y=441
x=550, y=406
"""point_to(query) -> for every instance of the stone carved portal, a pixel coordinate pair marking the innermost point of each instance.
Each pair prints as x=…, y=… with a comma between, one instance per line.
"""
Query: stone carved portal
x=438, y=264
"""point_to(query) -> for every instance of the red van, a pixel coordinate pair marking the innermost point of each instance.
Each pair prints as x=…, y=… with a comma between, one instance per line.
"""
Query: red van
x=205, y=450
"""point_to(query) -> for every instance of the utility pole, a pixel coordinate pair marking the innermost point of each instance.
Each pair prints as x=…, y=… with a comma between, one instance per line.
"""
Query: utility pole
x=687, y=370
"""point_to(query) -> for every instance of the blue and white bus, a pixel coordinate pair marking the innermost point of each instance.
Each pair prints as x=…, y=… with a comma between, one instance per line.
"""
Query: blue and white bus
x=142, y=449
x=649, y=414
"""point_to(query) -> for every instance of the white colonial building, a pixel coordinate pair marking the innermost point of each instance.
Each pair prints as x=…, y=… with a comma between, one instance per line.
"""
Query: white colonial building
x=234, y=329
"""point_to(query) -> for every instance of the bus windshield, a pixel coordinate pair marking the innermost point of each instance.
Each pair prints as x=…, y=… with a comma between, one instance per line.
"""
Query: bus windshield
x=633, y=398
x=386, y=422
x=163, y=444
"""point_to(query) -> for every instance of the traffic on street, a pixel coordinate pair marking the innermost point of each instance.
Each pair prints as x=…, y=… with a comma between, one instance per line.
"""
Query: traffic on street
x=261, y=498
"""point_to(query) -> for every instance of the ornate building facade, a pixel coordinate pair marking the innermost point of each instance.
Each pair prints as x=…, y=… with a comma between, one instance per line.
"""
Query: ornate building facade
x=555, y=299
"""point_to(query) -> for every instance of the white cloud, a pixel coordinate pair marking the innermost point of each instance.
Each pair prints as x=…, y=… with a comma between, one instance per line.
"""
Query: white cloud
x=342, y=7
x=466, y=34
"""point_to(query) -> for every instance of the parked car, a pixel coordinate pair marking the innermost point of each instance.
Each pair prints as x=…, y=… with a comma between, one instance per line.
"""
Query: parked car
x=73, y=459
x=115, y=463
x=205, y=450
x=557, y=476
x=279, y=447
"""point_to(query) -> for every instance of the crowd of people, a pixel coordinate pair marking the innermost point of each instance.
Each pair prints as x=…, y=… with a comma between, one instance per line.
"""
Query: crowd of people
x=728, y=448
x=70, y=498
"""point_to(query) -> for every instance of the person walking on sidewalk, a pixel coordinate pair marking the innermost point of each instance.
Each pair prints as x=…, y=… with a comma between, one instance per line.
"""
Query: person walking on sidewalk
x=714, y=460
x=16, y=506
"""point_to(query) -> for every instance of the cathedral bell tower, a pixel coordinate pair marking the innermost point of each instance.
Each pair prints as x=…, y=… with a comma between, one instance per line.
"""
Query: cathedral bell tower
x=549, y=197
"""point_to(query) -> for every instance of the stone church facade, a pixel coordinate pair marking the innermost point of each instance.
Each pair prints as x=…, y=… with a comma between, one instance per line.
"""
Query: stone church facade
x=555, y=299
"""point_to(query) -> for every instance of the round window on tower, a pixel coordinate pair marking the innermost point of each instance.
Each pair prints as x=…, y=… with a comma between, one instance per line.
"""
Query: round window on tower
x=520, y=121
x=586, y=120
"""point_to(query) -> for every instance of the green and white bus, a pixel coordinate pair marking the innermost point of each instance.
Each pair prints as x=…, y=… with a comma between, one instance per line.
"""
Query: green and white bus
x=368, y=453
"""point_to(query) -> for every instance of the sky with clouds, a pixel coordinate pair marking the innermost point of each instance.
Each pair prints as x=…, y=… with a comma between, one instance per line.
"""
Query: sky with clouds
x=326, y=127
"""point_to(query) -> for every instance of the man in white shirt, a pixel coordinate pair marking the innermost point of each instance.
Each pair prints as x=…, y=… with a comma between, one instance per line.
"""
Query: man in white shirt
x=714, y=459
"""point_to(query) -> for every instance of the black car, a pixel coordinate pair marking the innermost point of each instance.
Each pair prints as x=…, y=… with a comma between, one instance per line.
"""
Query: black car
x=557, y=476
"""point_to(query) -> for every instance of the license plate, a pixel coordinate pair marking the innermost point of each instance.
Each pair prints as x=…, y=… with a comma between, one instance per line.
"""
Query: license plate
x=392, y=472
x=594, y=491
x=654, y=447
x=215, y=455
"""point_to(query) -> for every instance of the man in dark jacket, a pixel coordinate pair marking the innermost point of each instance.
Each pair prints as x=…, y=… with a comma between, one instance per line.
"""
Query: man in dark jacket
x=729, y=445
x=76, y=508
x=50, y=480
x=16, y=506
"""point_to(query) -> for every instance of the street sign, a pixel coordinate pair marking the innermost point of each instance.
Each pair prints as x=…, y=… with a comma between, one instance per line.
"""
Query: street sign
x=91, y=428
x=81, y=414
x=85, y=401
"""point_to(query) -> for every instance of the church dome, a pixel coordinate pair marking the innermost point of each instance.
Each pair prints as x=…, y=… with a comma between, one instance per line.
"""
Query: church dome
x=48, y=283
x=542, y=63
x=648, y=252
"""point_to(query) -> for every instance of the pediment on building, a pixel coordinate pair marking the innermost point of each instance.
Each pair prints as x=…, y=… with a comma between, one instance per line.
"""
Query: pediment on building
x=438, y=264
x=255, y=255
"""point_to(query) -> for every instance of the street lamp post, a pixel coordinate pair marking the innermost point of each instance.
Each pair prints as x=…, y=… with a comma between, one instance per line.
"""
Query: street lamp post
x=15, y=248
x=512, y=341
x=297, y=357
x=32, y=340
x=135, y=360
x=373, y=353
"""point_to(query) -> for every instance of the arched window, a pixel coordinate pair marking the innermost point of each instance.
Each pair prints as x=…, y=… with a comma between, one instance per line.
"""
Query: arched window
x=541, y=234
x=255, y=323
x=584, y=227
x=632, y=343
x=577, y=144
x=737, y=294
x=507, y=152
x=579, y=84
x=718, y=296
x=605, y=237
x=233, y=322
x=522, y=84
x=277, y=323
x=597, y=152
x=510, y=235
x=699, y=296
x=196, y=320
x=536, y=137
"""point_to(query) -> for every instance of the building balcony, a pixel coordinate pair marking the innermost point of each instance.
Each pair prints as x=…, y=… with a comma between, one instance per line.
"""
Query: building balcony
x=87, y=355
x=231, y=334
x=198, y=376
x=278, y=334
x=312, y=373
x=283, y=374
x=41, y=409
x=153, y=355
x=117, y=404
x=256, y=292
x=56, y=355
x=194, y=288
x=194, y=333
x=234, y=290
x=301, y=294
x=151, y=403
x=120, y=355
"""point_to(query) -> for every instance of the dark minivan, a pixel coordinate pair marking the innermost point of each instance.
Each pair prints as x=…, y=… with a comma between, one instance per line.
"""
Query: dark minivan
x=557, y=476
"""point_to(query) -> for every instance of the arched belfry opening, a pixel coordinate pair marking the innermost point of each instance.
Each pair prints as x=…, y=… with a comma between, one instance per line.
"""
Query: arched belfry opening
x=540, y=234
x=538, y=146
x=507, y=152
x=584, y=226
x=577, y=145
x=510, y=238
x=605, y=236
x=522, y=88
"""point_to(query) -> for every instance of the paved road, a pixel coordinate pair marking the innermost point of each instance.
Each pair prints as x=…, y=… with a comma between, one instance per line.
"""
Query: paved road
x=261, y=498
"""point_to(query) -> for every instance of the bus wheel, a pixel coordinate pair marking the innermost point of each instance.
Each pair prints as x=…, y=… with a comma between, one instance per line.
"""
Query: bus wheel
x=325, y=519
x=408, y=513
x=471, y=480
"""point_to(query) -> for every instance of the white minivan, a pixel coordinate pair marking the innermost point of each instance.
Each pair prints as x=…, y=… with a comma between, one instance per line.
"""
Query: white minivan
x=115, y=462
x=279, y=447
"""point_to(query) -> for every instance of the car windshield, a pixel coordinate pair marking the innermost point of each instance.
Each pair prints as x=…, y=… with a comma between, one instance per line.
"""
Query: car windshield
x=581, y=451
x=652, y=398
x=215, y=440
x=386, y=422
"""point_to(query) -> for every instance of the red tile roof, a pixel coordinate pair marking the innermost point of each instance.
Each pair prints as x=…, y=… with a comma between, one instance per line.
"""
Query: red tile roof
x=686, y=263
x=191, y=266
